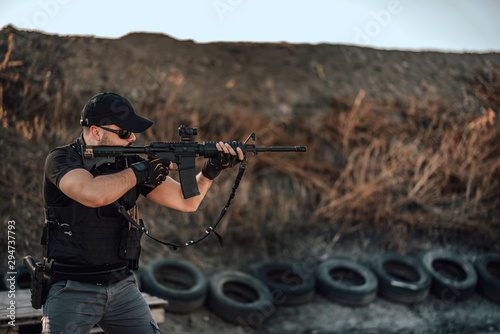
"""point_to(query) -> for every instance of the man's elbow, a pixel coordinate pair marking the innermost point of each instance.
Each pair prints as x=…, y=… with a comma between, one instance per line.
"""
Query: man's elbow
x=94, y=202
x=190, y=205
x=191, y=208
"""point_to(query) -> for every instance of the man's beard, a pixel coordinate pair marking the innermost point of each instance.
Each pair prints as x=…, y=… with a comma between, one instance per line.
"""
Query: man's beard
x=105, y=139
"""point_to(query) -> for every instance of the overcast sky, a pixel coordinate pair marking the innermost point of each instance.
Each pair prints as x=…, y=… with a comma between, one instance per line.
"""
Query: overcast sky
x=444, y=25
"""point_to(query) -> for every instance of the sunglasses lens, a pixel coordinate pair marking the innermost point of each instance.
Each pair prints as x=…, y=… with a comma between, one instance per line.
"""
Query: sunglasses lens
x=124, y=134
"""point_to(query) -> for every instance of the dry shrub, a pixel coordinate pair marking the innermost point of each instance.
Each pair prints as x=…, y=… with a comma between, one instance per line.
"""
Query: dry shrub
x=424, y=168
x=486, y=86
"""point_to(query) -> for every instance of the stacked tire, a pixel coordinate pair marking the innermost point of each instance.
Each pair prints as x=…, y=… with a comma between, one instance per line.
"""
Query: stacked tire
x=453, y=277
x=398, y=278
x=21, y=280
x=181, y=283
x=409, y=280
x=240, y=298
x=402, y=279
x=249, y=299
x=289, y=284
x=488, y=270
x=347, y=282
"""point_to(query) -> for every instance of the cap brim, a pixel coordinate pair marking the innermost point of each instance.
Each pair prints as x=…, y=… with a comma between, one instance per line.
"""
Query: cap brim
x=135, y=124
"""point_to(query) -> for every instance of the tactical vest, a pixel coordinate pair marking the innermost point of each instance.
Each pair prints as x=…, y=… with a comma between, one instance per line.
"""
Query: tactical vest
x=81, y=235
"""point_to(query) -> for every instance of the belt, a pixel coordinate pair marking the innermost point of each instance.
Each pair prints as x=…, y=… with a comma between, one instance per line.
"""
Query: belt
x=75, y=269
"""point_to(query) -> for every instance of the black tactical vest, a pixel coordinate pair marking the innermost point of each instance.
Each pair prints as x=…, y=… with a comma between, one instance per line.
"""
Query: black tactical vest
x=81, y=235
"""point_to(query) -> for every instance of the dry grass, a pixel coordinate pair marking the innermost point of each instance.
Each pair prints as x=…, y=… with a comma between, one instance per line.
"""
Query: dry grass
x=424, y=169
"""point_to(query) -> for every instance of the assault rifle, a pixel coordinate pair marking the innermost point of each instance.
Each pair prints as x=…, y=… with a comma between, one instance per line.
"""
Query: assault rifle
x=182, y=153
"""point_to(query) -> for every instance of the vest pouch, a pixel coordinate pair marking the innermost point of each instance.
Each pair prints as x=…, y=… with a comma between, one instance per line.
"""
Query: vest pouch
x=130, y=244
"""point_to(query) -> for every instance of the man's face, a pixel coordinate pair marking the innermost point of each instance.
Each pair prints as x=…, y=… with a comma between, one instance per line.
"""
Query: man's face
x=112, y=139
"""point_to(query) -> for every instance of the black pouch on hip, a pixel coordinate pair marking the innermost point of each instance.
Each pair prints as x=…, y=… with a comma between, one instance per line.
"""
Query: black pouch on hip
x=40, y=282
x=130, y=244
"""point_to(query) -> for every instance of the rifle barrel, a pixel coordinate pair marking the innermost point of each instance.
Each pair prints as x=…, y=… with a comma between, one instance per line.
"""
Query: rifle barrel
x=278, y=149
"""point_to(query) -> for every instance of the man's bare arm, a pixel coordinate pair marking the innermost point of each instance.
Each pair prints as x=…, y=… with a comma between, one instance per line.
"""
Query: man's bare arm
x=169, y=194
x=81, y=186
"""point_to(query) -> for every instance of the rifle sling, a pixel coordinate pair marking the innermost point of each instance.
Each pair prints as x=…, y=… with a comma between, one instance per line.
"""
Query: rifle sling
x=241, y=171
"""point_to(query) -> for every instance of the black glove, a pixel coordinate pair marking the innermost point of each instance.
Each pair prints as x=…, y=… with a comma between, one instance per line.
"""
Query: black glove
x=151, y=172
x=213, y=166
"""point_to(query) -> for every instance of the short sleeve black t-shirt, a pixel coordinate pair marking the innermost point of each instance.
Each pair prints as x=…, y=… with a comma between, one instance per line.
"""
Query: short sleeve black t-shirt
x=64, y=159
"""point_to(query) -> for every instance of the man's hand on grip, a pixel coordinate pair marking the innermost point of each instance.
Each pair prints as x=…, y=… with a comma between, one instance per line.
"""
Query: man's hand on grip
x=151, y=172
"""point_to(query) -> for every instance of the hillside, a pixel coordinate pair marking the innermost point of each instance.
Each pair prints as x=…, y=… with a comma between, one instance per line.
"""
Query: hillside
x=402, y=146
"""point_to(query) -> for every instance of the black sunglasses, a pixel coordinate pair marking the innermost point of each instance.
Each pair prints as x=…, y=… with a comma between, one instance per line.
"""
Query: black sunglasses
x=122, y=133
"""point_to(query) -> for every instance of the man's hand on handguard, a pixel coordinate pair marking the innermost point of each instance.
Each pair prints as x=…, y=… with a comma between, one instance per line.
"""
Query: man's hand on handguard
x=151, y=172
x=226, y=158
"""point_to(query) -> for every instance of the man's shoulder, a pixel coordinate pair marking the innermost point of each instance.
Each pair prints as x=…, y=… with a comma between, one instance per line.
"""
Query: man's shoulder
x=65, y=152
x=61, y=160
x=72, y=147
x=65, y=148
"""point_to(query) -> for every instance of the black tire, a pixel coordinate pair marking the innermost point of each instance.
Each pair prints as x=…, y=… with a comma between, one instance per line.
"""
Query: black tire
x=453, y=278
x=239, y=298
x=182, y=284
x=347, y=282
x=288, y=285
x=488, y=270
x=2, y=281
x=402, y=279
x=21, y=279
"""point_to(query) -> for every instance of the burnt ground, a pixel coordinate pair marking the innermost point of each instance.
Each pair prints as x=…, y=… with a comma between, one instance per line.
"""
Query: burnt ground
x=321, y=316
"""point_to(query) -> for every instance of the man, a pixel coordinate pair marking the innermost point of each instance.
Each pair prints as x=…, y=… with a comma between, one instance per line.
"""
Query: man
x=90, y=246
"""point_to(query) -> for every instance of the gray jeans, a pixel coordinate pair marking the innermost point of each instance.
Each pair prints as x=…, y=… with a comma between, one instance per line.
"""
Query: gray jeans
x=75, y=308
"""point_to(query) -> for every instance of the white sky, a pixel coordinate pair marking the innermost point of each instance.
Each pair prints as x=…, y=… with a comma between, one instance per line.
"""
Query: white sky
x=444, y=25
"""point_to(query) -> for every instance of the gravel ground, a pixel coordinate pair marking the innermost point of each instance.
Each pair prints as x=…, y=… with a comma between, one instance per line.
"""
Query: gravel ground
x=321, y=316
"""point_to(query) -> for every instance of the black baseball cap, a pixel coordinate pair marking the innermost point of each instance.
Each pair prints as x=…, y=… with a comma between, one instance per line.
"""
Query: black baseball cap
x=110, y=108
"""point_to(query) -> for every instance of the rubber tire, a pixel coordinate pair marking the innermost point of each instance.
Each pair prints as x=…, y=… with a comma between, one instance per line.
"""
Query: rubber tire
x=287, y=284
x=402, y=279
x=22, y=278
x=239, y=298
x=2, y=281
x=488, y=270
x=342, y=291
x=443, y=286
x=182, y=284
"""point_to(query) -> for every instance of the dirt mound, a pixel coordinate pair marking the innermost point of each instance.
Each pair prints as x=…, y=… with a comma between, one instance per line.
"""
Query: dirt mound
x=261, y=76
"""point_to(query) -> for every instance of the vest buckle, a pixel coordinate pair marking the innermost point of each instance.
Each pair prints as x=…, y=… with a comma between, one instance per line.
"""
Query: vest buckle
x=65, y=229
